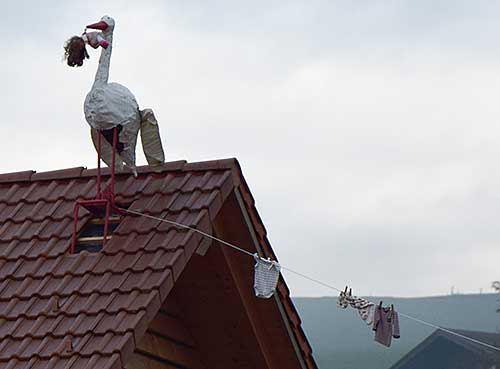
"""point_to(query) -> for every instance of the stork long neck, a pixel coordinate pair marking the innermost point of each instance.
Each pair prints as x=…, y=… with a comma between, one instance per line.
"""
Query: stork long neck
x=102, y=74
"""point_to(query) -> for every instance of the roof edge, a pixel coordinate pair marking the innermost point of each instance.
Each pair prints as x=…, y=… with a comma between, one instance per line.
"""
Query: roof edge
x=79, y=172
x=16, y=176
x=439, y=333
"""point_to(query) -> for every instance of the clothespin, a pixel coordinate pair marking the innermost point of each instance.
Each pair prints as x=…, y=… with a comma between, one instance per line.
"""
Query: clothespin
x=342, y=301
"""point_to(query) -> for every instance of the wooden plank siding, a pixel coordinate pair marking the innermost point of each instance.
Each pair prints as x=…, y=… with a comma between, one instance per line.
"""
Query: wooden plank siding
x=167, y=344
x=214, y=313
x=172, y=328
x=140, y=361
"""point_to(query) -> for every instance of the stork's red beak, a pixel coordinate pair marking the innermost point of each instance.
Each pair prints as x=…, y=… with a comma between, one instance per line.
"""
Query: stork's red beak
x=102, y=25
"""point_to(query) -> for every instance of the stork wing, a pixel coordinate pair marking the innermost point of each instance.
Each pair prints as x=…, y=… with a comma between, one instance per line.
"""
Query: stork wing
x=106, y=150
x=150, y=137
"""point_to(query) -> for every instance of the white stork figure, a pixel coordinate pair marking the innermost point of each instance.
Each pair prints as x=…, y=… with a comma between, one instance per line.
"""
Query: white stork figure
x=112, y=105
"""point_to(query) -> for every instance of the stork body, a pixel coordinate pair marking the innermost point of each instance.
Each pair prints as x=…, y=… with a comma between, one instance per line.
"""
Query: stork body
x=112, y=105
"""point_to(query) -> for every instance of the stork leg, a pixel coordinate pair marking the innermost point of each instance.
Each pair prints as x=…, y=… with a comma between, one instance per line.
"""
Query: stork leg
x=98, y=195
x=113, y=165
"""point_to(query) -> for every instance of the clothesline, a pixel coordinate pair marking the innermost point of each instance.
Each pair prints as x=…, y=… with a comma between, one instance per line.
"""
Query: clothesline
x=180, y=225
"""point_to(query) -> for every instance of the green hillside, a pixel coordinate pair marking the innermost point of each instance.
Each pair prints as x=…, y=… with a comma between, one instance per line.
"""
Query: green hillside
x=341, y=340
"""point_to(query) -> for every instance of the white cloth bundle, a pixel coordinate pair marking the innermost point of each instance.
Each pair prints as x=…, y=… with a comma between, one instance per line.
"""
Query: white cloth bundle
x=94, y=39
x=363, y=306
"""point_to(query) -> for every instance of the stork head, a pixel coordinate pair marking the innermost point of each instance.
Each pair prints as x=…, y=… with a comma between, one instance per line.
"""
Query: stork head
x=106, y=24
x=74, y=50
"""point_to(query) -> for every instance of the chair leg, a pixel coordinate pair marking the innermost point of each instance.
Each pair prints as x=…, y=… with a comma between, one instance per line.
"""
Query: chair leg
x=113, y=164
x=106, y=222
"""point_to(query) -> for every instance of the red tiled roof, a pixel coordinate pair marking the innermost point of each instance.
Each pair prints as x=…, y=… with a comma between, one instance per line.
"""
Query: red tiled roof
x=89, y=310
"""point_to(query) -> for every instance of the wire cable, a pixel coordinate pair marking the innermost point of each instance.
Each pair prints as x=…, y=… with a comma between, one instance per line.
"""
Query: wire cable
x=449, y=331
x=311, y=279
x=180, y=225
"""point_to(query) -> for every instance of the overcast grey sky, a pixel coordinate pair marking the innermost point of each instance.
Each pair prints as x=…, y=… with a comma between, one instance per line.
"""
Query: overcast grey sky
x=367, y=130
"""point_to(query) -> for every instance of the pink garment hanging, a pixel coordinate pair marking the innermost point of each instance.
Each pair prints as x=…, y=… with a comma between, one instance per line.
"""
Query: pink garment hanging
x=385, y=324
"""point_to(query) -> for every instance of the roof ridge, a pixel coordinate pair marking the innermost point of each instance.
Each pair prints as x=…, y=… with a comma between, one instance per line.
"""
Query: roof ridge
x=465, y=331
x=79, y=172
